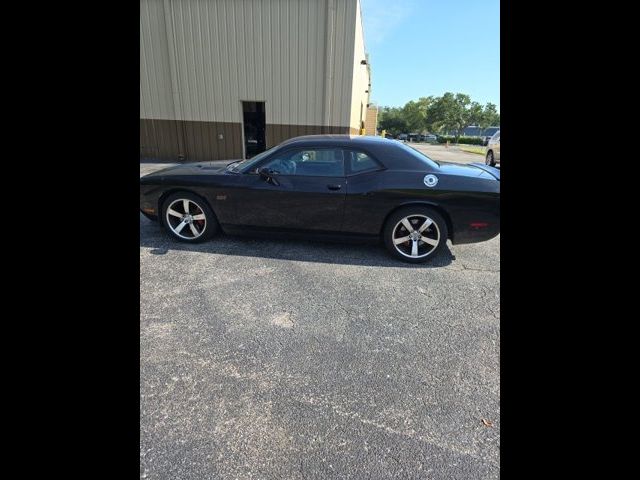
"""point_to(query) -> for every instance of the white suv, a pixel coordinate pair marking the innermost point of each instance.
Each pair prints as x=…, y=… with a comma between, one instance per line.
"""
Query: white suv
x=493, y=150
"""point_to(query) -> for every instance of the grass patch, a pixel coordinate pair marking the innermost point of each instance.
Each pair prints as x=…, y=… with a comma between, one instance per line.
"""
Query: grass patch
x=473, y=149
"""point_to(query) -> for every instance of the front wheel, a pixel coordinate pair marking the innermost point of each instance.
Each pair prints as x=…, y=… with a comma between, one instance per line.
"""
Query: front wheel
x=490, y=160
x=415, y=234
x=188, y=218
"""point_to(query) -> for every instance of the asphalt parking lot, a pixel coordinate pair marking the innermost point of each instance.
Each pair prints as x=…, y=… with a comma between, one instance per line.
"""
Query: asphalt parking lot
x=452, y=153
x=279, y=359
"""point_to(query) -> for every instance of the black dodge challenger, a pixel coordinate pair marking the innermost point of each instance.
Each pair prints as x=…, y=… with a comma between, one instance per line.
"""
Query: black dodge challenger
x=357, y=187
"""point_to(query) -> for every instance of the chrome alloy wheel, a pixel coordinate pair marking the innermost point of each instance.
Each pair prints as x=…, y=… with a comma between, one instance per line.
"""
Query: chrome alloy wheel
x=186, y=219
x=416, y=236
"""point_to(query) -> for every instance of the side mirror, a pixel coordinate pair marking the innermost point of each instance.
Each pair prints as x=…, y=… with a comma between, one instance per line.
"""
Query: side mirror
x=268, y=175
x=264, y=172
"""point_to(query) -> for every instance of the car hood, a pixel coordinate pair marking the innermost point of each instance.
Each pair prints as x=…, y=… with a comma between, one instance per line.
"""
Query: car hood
x=470, y=170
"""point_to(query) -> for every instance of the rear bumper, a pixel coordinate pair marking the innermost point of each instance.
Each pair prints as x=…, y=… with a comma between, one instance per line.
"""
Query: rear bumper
x=476, y=225
x=475, y=235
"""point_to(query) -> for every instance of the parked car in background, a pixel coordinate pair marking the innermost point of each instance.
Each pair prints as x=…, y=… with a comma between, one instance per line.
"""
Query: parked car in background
x=403, y=137
x=493, y=150
x=488, y=133
x=430, y=138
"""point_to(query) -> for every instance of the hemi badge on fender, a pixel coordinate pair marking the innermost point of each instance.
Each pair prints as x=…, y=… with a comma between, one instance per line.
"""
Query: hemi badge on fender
x=221, y=197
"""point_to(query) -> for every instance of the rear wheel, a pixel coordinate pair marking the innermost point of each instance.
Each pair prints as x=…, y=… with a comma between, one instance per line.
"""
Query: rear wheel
x=188, y=218
x=490, y=160
x=415, y=234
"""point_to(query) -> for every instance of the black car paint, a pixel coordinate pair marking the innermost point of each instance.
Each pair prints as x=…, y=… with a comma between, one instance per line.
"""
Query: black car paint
x=245, y=202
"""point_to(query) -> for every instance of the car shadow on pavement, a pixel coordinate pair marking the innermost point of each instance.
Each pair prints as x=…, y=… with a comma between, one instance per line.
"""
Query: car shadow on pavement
x=152, y=236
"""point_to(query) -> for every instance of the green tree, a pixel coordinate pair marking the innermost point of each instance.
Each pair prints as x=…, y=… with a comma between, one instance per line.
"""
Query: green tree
x=416, y=114
x=413, y=116
x=491, y=116
x=450, y=113
x=459, y=113
x=476, y=115
x=392, y=120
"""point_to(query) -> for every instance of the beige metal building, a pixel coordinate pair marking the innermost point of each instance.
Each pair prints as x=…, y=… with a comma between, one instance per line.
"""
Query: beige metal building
x=371, y=121
x=225, y=79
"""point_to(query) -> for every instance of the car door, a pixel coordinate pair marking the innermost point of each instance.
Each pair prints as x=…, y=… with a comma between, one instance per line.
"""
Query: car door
x=364, y=207
x=306, y=191
x=497, y=147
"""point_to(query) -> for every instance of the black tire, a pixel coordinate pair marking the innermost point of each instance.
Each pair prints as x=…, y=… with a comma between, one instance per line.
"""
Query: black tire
x=489, y=160
x=394, y=229
x=197, y=207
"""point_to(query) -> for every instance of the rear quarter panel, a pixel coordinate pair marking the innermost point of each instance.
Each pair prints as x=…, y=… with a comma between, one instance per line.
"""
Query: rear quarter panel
x=463, y=200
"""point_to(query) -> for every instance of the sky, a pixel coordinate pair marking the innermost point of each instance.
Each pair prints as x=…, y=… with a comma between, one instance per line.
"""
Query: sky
x=419, y=48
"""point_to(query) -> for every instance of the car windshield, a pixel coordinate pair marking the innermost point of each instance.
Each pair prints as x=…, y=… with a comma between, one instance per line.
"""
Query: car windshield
x=237, y=167
x=419, y=155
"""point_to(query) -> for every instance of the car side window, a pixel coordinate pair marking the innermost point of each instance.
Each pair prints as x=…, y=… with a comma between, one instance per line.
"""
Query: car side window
x=361, y=162
x=312, y=162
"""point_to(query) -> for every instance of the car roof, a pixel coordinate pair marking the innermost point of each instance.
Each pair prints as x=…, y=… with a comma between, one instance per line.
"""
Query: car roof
x=332, y=139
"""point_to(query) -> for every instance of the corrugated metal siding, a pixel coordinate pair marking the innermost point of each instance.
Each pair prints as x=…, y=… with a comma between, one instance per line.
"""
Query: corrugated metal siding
x=279, y=133
x=155, y=75
x=360, y=74
x=200, y=58
x=226, y=51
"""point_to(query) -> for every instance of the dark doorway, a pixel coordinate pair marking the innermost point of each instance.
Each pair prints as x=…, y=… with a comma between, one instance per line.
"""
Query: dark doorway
x=254, y=128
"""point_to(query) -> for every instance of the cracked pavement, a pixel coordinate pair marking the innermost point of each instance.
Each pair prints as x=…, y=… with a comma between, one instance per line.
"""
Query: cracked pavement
x=279, y=359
